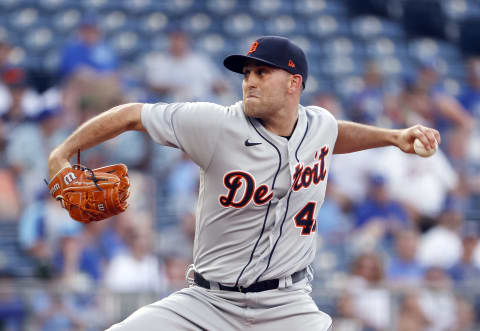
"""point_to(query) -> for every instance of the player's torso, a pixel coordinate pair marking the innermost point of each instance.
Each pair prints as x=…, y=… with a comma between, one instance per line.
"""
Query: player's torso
x=259, y=198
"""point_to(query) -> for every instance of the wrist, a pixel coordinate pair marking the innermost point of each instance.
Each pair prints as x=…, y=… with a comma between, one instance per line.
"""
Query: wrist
x=393, y=139
x=57, y=161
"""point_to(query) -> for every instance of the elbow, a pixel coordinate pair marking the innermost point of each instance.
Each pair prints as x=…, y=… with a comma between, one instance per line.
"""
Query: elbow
x=132, y=114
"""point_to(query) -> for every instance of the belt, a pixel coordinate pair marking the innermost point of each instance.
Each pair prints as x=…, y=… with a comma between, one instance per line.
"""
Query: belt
x=264, y=285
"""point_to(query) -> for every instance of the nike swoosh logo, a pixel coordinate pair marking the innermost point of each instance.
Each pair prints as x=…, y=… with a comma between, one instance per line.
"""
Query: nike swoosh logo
x=247, y=143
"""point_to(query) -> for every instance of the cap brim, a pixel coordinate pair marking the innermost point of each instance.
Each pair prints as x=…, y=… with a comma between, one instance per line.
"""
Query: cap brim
x=236, y=63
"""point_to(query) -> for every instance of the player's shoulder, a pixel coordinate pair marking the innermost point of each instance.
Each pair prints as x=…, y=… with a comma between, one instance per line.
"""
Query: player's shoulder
x=319, y=112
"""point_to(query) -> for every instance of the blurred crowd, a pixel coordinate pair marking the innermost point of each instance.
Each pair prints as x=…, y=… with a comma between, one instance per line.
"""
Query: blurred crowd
x=398, y=239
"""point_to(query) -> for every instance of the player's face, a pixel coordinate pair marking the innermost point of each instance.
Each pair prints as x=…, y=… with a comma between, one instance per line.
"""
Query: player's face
x=264, y=89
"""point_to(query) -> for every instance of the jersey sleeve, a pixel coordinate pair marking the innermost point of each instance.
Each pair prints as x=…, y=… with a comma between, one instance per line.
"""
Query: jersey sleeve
x=193, y=127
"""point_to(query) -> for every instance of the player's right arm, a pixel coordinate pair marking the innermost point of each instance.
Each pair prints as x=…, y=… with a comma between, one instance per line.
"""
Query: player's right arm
x=98, y=129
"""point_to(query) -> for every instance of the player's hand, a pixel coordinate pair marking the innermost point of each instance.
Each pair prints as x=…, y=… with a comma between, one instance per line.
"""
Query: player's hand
x=429, y=137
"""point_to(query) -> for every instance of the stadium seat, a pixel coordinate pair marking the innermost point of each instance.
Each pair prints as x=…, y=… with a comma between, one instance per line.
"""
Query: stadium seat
x=197, y=23
x=113, y=21
x=367, y=27
x=459, y=10
x=284, y=25
x=424, y=18
x=24, y=18
x=221, y=7
x=384, y=46
x=328, y=25
x=242, y=24
x=153, y=23
x=39, y=38
x=427, y=48
x=390, y=8
x=469, y=36
x=125, y=41
x=342, y=46
x=269, y=8
x=347, y=86
x=138, y=6
x=311, y=8
x=66, y=21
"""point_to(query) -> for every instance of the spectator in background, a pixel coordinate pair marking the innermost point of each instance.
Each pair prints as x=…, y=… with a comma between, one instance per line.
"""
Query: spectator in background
x=54, y=309
x=367, y=106
x=404, y=269
x=87, y=51
x=182, y=185
x=371, y=302
x=411, y=316
x=441, y=246
x=13, y=309
x=20, y=102
x=137, y=269
x=442, y=110
x=82, y=256
x=30, y=144
x=437, y=301
x=330, y=102
x=420, y=184
x=381, y=209
x=41, y=227
x=183, y=75
x=466, y=272
x=470, y=96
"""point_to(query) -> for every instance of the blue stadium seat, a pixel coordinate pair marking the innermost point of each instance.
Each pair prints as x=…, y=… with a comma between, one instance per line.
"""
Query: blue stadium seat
x=396, y=66
x=367, y=27
x=197, y=23
x=390, y=8
x=269, y=8
x=182, y=7
x=94, y=5
x=222, y=7
x=65, y=21
x=126, y=43
x=242, y=24
x=424, y=18
x=348, y=86
x=342, y=46
x=138, y=6
x=113, y=21
x=458, y=10
x=469, y=36
x=153, y=23
x=24, y=18
x=10, y=5
x=284, y=25
x=39, y=38
x=327, y=25
x=426, y=48
x=311, y=8
x=385, y=46
x=341, y=65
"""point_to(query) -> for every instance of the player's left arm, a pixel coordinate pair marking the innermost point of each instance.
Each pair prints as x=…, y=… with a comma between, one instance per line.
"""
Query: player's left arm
x=354, y=137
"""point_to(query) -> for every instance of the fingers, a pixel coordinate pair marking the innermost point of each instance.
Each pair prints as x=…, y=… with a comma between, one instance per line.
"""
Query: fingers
x=429, y=137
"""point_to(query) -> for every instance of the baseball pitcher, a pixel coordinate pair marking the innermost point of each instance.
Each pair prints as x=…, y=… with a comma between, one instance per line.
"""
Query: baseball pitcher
x=264, y=169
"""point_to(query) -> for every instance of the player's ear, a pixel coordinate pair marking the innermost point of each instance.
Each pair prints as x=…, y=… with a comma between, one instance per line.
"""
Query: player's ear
x=295, y=83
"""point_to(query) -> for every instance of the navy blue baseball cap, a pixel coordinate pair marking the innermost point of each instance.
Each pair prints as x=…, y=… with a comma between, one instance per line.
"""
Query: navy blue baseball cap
x=275, y=51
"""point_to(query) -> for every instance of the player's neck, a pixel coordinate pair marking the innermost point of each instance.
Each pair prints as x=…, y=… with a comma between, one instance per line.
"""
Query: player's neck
x=283, y=123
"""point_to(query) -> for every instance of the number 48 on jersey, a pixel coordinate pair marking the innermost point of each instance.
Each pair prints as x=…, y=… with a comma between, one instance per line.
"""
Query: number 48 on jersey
x=305, y=219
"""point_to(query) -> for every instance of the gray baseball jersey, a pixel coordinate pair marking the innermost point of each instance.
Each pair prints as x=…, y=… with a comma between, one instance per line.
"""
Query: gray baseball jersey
x=259, y=193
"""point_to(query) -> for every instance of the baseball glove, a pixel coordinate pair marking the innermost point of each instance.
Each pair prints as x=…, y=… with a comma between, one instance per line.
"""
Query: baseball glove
x=91, y=195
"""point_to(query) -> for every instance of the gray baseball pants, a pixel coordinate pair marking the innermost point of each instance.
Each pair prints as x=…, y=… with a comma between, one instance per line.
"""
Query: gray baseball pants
x=196, y=308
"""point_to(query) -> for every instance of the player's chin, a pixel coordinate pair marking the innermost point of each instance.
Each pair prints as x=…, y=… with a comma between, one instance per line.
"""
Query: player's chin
x=250, y=106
